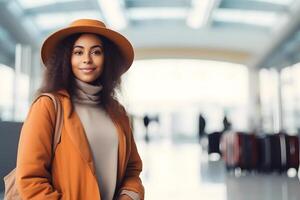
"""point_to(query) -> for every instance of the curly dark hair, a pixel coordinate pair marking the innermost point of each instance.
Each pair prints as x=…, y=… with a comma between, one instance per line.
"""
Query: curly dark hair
x=58, y=73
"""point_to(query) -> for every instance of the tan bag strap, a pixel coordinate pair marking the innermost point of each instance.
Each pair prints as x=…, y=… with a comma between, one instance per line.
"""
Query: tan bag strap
x=58, y=121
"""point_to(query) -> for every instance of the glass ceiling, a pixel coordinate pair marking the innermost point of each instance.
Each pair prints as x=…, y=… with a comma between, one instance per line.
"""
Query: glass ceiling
x=156, y=11
x=253, y=17
x=36, y=3
x=51, y=21
x=147, y=13
x=49, y=15
x=281, y=2
x=259, y=15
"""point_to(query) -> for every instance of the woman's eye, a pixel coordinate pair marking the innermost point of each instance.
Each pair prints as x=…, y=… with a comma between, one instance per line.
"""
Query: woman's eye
x=77, y=52
x=97, y=52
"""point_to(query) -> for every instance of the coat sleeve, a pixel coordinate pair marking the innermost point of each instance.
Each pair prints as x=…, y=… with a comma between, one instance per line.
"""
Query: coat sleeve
x=132, y=181
x=33, y=171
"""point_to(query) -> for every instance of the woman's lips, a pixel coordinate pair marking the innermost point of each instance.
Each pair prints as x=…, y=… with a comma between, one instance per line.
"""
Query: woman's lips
x=87, y=70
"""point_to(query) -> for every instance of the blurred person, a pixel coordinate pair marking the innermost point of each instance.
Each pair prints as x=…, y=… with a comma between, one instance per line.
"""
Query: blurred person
x=226, y=124
x=201, y=126
x=97, y=157
x=146, y=121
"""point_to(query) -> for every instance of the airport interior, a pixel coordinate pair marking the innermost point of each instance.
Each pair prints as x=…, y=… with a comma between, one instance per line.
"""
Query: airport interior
x=213, y=92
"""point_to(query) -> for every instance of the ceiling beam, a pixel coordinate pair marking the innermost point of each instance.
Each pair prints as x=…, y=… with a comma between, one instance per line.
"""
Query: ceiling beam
x=285, y=31
x=19, y=27
x=201, y=11
x=192, y=53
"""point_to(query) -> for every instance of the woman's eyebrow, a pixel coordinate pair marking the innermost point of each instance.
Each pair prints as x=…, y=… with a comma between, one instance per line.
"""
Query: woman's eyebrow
x=78, y=46
x=100, y=46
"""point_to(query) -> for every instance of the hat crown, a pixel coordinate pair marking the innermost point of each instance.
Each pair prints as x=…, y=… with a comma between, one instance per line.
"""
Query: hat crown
x=88, y=22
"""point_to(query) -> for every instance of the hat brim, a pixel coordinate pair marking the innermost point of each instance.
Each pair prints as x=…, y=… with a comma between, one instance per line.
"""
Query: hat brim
x=119, y=40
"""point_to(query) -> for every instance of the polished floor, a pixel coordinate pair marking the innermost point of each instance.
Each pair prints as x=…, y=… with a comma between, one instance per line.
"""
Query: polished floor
x=184, y=171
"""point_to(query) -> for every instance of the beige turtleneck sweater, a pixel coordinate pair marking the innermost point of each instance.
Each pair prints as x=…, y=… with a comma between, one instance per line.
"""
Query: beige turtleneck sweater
x=102, y=136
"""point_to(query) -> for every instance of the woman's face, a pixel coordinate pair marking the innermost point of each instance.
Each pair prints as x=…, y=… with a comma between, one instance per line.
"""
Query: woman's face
x=87, y=58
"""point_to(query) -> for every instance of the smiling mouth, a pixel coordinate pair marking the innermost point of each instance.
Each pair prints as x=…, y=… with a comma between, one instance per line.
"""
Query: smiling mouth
x=87, y=70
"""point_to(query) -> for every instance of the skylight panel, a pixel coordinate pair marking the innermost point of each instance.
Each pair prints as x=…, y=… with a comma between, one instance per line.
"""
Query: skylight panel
x=147, y=13
x=252, y=17
x=55, y=20
x=36, y=3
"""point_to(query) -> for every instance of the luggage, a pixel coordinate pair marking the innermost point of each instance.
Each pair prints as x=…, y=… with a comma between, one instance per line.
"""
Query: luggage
x=214, y=142
x=248, y=157
x=230, y=148
x=279, y=148
x=292, y=146
x=263, y=153
x=272, y=153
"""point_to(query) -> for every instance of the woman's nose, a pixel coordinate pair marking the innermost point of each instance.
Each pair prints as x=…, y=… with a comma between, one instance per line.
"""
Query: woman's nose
x=87, y=58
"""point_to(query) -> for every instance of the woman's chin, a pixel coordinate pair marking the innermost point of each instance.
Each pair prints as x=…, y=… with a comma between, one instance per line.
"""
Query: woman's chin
x=87, y=79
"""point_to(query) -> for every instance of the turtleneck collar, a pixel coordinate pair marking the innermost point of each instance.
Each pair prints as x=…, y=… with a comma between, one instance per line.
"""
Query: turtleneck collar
x=87, y=93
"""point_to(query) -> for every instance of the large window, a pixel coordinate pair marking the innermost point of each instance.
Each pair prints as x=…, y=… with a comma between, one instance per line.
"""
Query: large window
x=291, y=98
x=280, y=103
x=178, y=90
x=6, y=88
x=269, y=100
x=14, y=101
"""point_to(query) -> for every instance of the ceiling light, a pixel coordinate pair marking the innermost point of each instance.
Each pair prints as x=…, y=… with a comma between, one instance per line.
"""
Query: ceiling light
x=200, y=13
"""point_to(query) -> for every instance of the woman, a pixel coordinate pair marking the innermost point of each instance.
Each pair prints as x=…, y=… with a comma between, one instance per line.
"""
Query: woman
x=97, y=157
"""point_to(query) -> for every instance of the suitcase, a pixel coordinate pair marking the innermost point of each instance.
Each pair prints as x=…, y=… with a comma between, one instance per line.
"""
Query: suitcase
x=274, y=153
x=292, y=149
x=278, y=152
x=263, y=153
x=231, y=149
x=248, y=157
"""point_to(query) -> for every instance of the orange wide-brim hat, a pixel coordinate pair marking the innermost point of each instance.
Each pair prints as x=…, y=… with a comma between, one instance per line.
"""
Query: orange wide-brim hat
x=89, y=26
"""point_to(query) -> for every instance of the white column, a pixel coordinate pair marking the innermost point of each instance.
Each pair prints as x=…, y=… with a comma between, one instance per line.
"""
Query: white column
x=254, y=104
x=278, y=119
x=21, y=81
x=36, y=74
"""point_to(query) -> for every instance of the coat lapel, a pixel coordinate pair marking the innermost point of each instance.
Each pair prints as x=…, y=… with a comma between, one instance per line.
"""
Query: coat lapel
x=77, y=134
x=75, y=131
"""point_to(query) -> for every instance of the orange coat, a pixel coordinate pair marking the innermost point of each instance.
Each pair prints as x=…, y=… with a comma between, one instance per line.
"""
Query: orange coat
x=71, y=176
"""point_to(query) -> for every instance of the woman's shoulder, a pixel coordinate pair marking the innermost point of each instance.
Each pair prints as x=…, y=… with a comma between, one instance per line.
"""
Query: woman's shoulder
x=45, y=97
x=41, y=108
x=42, y=102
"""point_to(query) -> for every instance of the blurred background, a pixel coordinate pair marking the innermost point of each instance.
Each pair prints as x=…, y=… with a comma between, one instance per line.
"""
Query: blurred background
x=213, y=92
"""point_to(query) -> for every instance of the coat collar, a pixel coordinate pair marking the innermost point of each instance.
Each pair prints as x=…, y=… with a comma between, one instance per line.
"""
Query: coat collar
x=76, y=132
